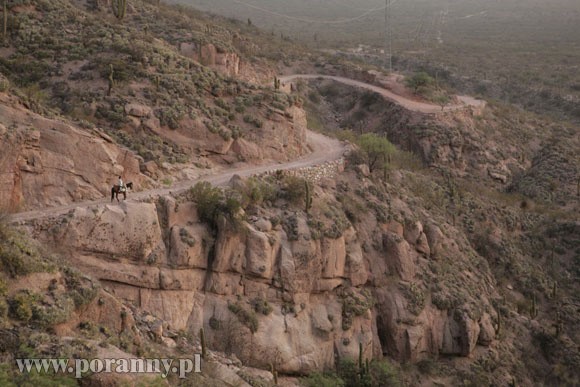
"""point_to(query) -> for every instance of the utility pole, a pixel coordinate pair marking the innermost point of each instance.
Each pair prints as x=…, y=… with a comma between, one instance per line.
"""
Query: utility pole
x=388, y=36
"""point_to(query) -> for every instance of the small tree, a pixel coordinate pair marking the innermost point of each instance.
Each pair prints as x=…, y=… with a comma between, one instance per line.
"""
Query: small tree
x=418, y=80
x=442, y=100
x=377, y=150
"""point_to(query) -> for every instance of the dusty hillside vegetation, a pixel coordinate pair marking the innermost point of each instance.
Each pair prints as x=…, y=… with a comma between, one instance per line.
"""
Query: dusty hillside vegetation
x=448, y=258
x=168, y=84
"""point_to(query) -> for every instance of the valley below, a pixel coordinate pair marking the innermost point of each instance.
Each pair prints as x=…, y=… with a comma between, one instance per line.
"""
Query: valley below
x=296, y=218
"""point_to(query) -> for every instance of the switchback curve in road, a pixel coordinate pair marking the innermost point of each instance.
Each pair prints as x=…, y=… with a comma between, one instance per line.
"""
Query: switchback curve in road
x=324, y=149
x=416, y=106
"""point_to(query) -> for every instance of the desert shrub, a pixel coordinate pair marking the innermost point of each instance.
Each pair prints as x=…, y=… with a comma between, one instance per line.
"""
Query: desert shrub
x=208, y=200
x=419, y=80
x=348, y=371
x=354, y=305
x=356, y=157
x=114, y=113
x=256, y=191
x=290, y=224
x=22, y=304
x=59, y=312
x=170, y=115
x=346, y=135
x=314, y=97
x=17, y=255
x=293, y=189
x=377, y=373
x=318, y=379
x=253, y=120
x=186, y=237
x=222, y=104
x=246, y=317
x=261, y=306
x=4, y=84
x=378, y=150
x=383, y=373
x=212, y=203
x=339, y=222
x=215, y=323
x=12, y=378
x=80, y=288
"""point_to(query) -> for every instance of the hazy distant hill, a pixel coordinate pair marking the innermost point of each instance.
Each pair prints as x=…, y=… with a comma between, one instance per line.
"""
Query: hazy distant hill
x=518, y=51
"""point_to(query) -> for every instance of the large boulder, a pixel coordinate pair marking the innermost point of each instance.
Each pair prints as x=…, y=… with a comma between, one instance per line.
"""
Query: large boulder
x=229, y=249
x=460, y=334
x=434, y=238
x=188, y=249
x=260, y=253
x=398, y=256
x=487, y=330
x=128, y=231
x=333, y=257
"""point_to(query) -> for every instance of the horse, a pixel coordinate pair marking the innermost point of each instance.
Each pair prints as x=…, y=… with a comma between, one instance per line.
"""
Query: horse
x=116, y=190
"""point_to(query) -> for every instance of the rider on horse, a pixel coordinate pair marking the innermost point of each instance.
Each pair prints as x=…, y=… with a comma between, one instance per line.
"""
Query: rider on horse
x=121, y=186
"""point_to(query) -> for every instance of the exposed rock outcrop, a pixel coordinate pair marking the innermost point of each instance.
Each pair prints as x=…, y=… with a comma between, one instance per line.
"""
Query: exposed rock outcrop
x=313, y=296
x=46, y=162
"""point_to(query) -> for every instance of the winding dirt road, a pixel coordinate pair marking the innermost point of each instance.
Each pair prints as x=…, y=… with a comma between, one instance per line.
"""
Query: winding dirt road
x=324, y=149
x=408, y=104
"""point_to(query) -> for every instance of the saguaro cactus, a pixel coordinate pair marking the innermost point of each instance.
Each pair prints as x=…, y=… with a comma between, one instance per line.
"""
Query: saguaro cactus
x=308, y=198
x=119, y=8
x=274, y=373
x=5, y=25
x=111, y=79
x=202, y=341
x=534, y=307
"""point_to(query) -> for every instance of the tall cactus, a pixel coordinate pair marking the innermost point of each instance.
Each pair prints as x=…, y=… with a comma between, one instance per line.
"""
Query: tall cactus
x=534, y=307
x=274, y=372
x=111, y=79
x=308, y=198
x=119, y=8
x=5, y=32
x=202, y=341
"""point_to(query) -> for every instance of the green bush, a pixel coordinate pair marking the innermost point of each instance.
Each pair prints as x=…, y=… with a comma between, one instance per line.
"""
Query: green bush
x=293, y=189
x=419, y=80
x=213, y=202
x=322, y=380
x=246, y=317
x=377, y=373
x=256, y=192
x=17, y=255
x=208, y=200
x=22, y=305
x=261, y=306
x=186, y=237
x=81, y=293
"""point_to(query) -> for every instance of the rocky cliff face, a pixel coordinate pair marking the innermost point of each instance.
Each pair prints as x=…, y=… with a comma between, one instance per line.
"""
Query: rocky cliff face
x=314, y=287
x=47, y=162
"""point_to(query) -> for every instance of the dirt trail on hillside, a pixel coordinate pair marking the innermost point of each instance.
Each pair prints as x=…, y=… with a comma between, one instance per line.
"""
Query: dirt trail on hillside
x=324, y=149
x=408, y=104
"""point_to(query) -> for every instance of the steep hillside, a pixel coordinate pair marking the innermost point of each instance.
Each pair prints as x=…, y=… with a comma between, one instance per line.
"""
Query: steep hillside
x=168, y=84
x=442, y=249
x=428, y=271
